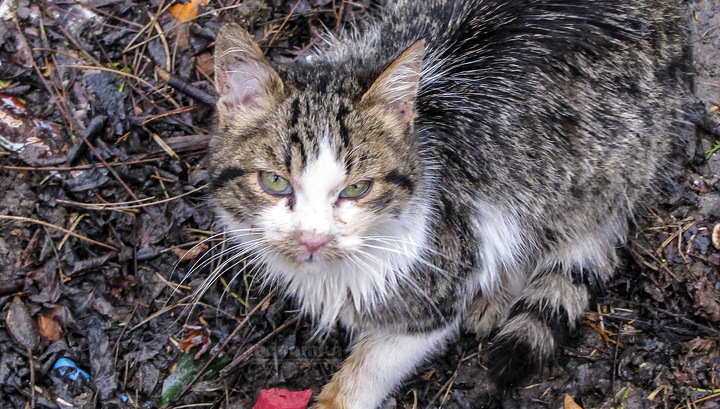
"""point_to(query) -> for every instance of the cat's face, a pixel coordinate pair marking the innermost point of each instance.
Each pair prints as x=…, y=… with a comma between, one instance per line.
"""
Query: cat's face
x=311, y=173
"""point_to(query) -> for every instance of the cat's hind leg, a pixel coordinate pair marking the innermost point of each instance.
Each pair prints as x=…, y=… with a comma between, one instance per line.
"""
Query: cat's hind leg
x=536, y=324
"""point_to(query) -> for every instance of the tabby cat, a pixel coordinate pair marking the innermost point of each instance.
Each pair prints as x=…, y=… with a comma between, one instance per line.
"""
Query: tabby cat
x=457, y=164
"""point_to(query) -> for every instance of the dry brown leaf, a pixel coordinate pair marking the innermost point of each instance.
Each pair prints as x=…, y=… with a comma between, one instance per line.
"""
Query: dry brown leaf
x=49, y=328
x=570, y=403
x=190, y=254
x=205, y=64
x=707, y=299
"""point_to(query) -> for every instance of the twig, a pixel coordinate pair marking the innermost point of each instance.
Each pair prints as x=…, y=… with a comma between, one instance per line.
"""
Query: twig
x=246, y=354
x=32, y=378
x=182, y=86
x=43, y=223
x=657, y=260
x=707, y=398
x=165, y=309
x=272, y=40
x=73, y=226
x=339, y=15
x=124, y=74
x=616, y=364
x=98, y=165
x=703, y=327
x=446, y=387
x=147, y=27
x=52, y=91
x=167, y=113
x=237, y=329
x=126, y=205
x=12, y=287
x=163, y=40
x=95, y=21
x=93, y=127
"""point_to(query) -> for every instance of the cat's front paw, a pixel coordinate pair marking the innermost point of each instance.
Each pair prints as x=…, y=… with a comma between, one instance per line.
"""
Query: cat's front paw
x=329, y=397
x=339, y=395
x=323, y=405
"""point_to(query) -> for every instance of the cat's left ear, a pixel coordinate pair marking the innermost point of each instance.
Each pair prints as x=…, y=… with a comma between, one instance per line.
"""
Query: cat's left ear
x=246, y=84
x=396, y=89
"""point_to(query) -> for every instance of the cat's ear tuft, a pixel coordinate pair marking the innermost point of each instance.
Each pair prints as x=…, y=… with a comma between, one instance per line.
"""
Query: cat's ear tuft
x=396, y=89
x=246, y=84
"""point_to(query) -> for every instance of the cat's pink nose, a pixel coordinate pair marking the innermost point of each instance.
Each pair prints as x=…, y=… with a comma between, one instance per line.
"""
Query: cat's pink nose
x=313, y=240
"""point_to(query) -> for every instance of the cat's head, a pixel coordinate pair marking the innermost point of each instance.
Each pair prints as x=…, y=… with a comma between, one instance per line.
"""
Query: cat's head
x=314, y=164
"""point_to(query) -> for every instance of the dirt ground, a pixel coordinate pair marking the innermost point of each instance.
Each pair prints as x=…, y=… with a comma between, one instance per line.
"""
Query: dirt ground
x=97, y=213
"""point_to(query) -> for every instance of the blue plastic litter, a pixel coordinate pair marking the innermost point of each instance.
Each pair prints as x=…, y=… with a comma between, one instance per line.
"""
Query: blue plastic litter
x=64, y=364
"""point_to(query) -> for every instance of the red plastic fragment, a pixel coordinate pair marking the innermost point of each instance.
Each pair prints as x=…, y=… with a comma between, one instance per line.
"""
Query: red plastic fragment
x=282, y=399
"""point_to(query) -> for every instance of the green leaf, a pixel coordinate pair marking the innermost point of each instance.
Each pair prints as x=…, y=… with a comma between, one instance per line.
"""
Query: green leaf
x=712, y=150
x=186, y=369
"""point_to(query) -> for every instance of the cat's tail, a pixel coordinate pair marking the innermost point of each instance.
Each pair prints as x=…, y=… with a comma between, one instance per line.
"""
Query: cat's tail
x=537, y=323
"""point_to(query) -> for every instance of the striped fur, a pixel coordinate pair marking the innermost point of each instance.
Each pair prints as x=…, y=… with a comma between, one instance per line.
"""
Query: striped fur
x=504, y=144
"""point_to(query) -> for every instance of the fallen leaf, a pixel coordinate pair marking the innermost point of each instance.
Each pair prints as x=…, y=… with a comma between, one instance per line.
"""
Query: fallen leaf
x=570, y=403
x=205, y=64
x=191, y=254
x=706, y=298
x=197, y=336
x=187, y=12
x=21, y=325
x=49, y=328
x=186, y=369
x=121, y=287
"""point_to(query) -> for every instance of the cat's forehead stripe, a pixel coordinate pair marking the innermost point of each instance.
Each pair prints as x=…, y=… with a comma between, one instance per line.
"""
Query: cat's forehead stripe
x=294, y=112
x=402, y=180
x=306, y=133
x=297, y=145
x=226, y=175
x=340, y=116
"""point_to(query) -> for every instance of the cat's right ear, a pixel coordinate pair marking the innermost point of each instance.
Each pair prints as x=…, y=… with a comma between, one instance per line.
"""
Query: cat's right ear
x=245, y=82
x=395, y=90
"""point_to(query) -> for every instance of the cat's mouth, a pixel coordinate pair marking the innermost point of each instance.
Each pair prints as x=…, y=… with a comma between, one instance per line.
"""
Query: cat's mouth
x=303, y=257
x=316, y=257
x=311, y=258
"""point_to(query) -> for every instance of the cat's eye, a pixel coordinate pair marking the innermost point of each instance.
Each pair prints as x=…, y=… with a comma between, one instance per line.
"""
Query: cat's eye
x=356, y=190
x=274, y=184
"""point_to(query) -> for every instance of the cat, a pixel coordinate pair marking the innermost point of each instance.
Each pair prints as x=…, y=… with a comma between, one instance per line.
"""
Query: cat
x=457, y=164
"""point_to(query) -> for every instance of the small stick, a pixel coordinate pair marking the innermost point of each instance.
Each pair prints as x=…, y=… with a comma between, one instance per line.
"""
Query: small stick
x=237, y=329
x=27, y=219
x=32, y=378
x=12, y=287
x=240, y=358
x=167, y=113
x=93, y=127
x=128, y=205
x=707, y=329
x=182, y=86
x=85, y=167
x=272, y=40
x=694, y=403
